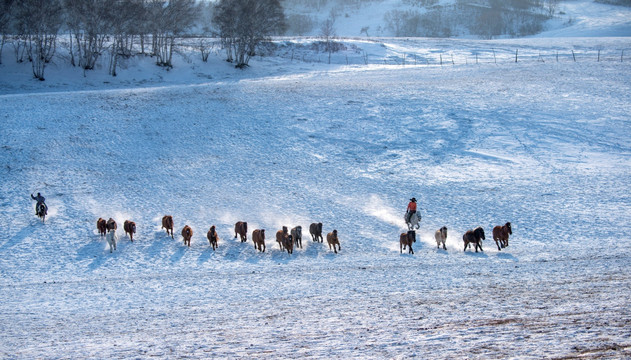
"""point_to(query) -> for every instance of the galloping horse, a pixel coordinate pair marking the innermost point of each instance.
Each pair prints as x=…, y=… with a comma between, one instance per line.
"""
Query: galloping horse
x=42, y=210
x=316, y=231
x=167, y=223
x=187, y=234
x=475, y=237
x=441, y=237
x=258, y=237
x=406, y=239
x=414, y=221
x=241, y=229
x=500, y=235
x=332, y=240
x=296, y=233
x=101, y=225
x=212, y=237
x=130, y=229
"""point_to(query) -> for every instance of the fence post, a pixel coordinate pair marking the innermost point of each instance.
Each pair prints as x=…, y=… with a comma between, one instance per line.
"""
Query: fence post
x=557, y=55
x=598, y=55
x=441, y=59
x=494, y=58
x=516, y=51
x=573, y=56
x=621, y=55
x=452, y=59
x=476, y=58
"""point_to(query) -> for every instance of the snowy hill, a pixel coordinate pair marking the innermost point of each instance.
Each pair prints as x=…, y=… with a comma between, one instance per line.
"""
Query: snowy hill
x=577, y=18
x=481, y=140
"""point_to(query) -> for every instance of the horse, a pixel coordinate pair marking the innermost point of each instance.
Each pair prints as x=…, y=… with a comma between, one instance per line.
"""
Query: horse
x=280, y=237
x=212, y=237
x=101, y=226
x=241, y=228
x=475, y=237
x=187, y=234
x=296, y=234
x=41, y=210
x=316, y=231
x=500, y=235
x=258, y=237
x=414, y=221
x=111, y=239
x=441, y=237
x=130, y=229
x=406, y=239
x=288, y=244
x=167, y=223
x=111, y=225
x=331, y=239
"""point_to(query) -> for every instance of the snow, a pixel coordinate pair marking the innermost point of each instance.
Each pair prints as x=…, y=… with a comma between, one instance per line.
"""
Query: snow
x=544, y=145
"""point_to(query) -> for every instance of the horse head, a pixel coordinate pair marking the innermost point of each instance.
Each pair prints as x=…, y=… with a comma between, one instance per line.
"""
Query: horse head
x=479, y=233
x=508, y=226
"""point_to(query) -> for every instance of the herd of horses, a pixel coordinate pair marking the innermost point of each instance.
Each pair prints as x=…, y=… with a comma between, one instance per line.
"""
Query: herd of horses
x=286, y=239
x=289, y=239
x=471, y=237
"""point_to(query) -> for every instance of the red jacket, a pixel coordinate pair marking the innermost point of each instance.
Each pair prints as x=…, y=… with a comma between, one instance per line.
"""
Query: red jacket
x=412, y=206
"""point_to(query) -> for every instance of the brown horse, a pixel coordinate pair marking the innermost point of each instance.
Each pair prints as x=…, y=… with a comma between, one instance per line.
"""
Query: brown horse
x=296, y=234
x=130, y=229
x=474, y=237
x=111, y=225
x=316, y=231
x=406, y=239
x=280, y=237
x=441, y=237
x=258, y=236
x=500, y=235
x=167, y=223
x=331, y=239
x=101, y=225
x=212, y=237
x=241, y=228
x=187, y=234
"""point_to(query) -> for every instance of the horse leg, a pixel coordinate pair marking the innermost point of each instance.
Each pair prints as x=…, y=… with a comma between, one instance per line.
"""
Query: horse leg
x=444, y=247
x=498, y=242
x=411, y=250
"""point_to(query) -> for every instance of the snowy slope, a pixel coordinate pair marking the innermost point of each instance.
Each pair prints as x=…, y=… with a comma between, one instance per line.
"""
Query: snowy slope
x=543, y=144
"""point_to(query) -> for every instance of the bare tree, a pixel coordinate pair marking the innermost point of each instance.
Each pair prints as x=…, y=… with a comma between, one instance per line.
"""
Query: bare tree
x=5, y=21
x=245, y=24
x=327, y=33
x=91, y=23
x=170, y=19
x=124, y=17
x=41, y=20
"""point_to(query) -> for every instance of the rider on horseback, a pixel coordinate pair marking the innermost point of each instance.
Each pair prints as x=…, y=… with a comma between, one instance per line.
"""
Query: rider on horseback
x=40, y=202
x=410, y=210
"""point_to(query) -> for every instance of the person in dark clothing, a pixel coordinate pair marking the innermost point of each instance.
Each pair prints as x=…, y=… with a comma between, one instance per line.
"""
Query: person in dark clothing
x=40, y=200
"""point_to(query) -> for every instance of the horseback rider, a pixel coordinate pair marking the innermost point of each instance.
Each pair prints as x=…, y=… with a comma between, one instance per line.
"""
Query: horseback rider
x=40, y=200
x=410, y=210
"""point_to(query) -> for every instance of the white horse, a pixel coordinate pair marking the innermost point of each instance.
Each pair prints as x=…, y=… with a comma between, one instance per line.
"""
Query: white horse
x=112, y=239
x=441, y=237
x=415, y=219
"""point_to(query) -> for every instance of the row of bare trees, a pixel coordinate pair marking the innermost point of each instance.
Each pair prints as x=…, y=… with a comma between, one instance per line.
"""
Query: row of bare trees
x=122, y=28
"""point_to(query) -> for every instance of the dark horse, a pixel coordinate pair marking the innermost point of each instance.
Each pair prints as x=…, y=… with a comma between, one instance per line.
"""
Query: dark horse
x=406, y=239
x=500, y=235
x=475, y=237
x=42, y=210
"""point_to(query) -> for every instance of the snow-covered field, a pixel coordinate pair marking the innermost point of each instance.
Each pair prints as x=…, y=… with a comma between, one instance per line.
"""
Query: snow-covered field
x=544, y=145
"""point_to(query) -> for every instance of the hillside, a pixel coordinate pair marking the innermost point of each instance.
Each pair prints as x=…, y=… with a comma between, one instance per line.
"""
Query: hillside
x=459, y=19
x=478, y=138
